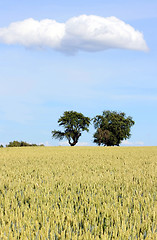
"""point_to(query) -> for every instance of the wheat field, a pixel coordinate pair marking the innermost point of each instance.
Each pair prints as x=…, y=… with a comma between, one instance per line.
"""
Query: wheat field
x=78, y=193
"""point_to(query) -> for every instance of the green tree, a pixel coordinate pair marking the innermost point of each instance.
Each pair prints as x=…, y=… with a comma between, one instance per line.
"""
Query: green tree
x=111, y=128
x=21, y=144
x=73, y=123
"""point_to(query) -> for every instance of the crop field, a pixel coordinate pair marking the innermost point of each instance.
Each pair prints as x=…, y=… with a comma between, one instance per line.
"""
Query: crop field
x=78, y=193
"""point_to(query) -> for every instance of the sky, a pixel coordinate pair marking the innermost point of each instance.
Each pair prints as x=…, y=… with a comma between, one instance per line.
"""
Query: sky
x=85, y=56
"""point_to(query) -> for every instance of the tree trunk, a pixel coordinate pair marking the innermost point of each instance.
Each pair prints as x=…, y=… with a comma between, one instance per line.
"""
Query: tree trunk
x=75, y=140
x=72, y=143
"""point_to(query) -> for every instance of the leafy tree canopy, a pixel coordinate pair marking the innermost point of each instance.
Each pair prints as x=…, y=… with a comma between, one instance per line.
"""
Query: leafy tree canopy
x=73, y=123
x=111, y=128
x=21, y=144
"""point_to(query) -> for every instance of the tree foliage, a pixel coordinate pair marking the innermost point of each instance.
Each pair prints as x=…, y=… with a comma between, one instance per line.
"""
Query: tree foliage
x=21, y=144
x=74, y=124
x=111, y=128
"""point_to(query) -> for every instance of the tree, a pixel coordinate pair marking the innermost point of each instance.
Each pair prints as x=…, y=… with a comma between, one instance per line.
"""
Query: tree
x=21, y=144
x=73, y=123
x=111, y=128
x=104, y=137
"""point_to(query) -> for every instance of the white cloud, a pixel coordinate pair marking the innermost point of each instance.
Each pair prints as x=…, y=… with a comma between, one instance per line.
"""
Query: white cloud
x=34, y=33
x=47, y=144
x=85, y=33
x=82, y=144
x=134, y=97
x=129, y=143
x=65, y=143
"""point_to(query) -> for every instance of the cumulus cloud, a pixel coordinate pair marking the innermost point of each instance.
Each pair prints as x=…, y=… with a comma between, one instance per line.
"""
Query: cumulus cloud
x=82, y=33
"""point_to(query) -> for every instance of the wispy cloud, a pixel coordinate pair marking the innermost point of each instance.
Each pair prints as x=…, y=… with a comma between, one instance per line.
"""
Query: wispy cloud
x=65, y=143
x=129, y=143
x=135, y=97
x=82, y=33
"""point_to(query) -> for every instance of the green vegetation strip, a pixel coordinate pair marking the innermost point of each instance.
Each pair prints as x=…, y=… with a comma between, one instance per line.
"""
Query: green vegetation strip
x=78, y=193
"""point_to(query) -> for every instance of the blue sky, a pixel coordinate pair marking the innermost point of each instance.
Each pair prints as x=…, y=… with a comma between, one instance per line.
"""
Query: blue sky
x=39, y=81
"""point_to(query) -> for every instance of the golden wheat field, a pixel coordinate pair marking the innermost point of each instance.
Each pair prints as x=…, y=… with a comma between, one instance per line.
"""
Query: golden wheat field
x=78, y=193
